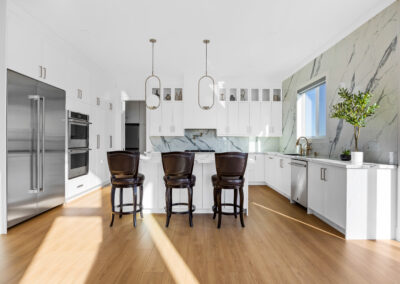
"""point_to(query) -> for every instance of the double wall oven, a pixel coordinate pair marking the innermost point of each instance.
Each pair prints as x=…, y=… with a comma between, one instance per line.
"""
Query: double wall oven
x=78, y=144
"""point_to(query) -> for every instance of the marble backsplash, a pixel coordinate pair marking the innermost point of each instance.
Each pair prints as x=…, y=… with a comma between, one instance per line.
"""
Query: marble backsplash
x=206, y=139
x=367, y=59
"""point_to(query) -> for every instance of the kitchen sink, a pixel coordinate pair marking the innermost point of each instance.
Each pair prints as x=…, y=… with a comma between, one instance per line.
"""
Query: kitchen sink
x=295, y=155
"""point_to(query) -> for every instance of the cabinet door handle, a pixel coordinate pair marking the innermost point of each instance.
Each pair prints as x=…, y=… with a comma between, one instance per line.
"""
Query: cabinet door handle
x=320, y=173
x=111, y=141
x=45, y=73
x=98, y=141
x=323, y=174
x=41, y=71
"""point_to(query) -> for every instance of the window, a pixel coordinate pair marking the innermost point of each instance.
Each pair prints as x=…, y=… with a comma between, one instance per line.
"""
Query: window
x=311, y=110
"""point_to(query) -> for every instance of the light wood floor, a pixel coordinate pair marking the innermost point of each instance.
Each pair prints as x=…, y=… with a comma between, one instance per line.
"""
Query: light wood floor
x=281, y=243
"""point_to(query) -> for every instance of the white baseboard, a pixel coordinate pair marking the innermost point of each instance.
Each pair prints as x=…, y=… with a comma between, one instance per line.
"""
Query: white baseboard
x=257, y=183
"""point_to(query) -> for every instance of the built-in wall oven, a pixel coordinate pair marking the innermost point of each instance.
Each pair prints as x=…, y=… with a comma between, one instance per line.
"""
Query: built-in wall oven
x=78, y=144
x=78, y=130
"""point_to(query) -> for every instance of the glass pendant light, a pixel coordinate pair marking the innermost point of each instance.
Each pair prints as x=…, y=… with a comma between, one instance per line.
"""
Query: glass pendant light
x=153, y=41
x=206, y=76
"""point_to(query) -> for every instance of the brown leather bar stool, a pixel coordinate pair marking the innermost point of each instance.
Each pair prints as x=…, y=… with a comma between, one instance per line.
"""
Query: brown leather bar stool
x=178, y=168
x=231, y=167
x=124, y=167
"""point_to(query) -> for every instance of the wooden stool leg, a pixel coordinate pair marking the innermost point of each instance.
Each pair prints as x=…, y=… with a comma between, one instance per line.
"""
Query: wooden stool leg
x=235, y=194
x=190, y=201
x=215, y=204
x=219, y=207
x=112, y=205
x=241, y=206
x=134, y=204
x=121, y=200
x=167, y=205
x=141, y=201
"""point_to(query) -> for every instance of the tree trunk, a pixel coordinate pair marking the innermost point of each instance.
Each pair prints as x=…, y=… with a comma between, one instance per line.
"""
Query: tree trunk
x=356, y=136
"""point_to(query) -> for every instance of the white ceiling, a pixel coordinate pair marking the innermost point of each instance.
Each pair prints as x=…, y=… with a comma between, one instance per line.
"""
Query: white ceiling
x=267, y=39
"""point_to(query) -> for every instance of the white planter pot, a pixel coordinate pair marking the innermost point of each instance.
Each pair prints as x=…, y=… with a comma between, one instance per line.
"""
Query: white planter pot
x=357, y=158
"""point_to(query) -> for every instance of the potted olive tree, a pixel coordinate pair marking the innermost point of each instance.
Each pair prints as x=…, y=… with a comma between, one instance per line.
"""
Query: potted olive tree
x=354, y=109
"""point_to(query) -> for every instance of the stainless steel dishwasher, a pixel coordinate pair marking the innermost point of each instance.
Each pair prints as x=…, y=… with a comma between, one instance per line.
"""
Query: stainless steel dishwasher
x=299, y=181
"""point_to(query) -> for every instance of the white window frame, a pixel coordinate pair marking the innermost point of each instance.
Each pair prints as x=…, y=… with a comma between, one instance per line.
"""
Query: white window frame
x=301, y=112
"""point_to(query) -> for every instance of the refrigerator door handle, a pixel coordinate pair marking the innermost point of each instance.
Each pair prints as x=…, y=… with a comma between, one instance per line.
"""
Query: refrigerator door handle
x=36, y=98
x=43, y=139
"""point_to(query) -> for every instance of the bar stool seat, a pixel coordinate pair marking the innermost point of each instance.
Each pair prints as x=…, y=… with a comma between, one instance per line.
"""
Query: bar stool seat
x=127, y=180
x=227, y=181
x=181, y=182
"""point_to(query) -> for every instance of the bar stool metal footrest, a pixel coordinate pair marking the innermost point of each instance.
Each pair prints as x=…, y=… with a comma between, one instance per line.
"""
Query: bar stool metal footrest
x=215, y=209
x=127, y=212
x=182, y=212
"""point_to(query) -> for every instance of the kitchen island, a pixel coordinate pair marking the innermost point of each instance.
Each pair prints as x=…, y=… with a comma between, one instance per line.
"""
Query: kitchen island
x=154, y=188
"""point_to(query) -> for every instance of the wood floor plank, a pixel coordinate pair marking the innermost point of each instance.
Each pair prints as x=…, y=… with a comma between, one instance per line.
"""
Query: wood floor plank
x=280, y=244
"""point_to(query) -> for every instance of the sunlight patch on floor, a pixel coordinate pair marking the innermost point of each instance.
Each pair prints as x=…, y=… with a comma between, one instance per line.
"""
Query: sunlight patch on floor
x=172, y=259
x=378, y=247
x=298, y=221
x=56, y=261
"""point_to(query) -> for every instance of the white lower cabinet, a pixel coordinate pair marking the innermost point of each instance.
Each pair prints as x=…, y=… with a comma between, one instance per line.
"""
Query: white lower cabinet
x=284, y=176
x=277, y=174
x=327, y=192
x=270, y=171
x=256, y=168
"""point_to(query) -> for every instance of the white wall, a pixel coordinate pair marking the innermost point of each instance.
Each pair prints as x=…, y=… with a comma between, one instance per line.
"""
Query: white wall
x=3, y=126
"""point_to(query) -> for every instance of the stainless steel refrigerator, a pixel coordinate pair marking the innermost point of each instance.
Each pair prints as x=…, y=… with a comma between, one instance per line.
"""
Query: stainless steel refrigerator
x=36, y=126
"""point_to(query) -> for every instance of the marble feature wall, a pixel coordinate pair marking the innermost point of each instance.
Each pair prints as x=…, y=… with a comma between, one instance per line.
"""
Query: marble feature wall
x=367, y=59
x=206, y=139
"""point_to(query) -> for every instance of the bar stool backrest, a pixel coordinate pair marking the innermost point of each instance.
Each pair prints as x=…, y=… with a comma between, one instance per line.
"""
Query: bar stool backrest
x=123, y=163
x=231, y=164
x=178, y=164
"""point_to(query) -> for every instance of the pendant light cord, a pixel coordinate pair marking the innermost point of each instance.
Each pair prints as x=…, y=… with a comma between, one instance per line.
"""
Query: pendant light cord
x=206, y=59
x=152, y=58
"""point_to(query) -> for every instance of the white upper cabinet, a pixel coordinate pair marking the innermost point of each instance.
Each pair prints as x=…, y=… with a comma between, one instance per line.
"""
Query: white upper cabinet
x=255, y=122
x=166, y=120
x=54, y=63
x=250, y=114
x=194, y=117
x=265, y=118
x=154, y=121
x=32, y=52
x=23, y=39
x=243, y=118
x=276, y=119
x=227, y=119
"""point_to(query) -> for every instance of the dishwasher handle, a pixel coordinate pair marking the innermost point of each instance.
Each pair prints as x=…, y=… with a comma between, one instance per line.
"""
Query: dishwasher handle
x=298, y=164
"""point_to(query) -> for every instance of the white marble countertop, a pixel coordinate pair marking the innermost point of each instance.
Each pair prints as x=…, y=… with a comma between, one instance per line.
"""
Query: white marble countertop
x=201, y=158
x=333, y=162
x=208, y=157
